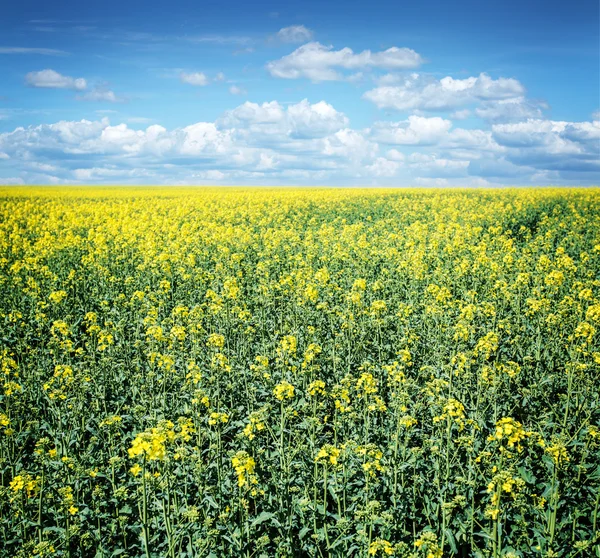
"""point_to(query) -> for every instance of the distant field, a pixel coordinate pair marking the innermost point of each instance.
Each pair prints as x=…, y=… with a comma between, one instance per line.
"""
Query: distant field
x=296, y=372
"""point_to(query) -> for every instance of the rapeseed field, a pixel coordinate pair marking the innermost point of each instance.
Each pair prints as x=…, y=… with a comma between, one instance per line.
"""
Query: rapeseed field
x=299, y=372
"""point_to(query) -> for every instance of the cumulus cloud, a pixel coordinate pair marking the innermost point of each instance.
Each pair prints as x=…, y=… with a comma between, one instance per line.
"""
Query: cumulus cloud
x=417, y=130
x=53, y=80
x=395, y=155
x=513, y=109
x=383, y=167
x=317, y=62
x=300, y=120
x=473, y=141
x=303, y=142
x=349, y=144
x=418, y=92
x=551, y=145
x=195, y=78
x=294, y=34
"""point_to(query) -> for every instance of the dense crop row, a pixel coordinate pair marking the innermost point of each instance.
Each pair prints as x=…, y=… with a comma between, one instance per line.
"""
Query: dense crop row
x=259, y=373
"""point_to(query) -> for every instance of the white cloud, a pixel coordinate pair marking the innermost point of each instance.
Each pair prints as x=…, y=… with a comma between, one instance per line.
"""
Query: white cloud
x=209, y=175
x=395, y=155
x=460, y=114
x=513, y=109
x=383, y=167
x=349, y=144
x=471, y=139
x=300, y=120
x=235, y=90
x=11, y=180
x=417, y=130
x=275, y=143
x=53, y=80
x=44, y=167
x=196, y=78
x=101, y=95
x=389, y=79
x=432, y=165
x=294, y=34
x=552, y=145
x=532, y=132
x=25, y=50
x=220, y=76
x=321, y=63
x=418, y=92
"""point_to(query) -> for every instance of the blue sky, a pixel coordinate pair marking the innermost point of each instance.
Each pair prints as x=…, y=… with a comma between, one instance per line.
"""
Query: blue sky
x=329, y=93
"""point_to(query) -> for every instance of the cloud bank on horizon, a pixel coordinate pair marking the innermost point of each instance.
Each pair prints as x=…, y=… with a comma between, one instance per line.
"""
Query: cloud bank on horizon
x=262, y=98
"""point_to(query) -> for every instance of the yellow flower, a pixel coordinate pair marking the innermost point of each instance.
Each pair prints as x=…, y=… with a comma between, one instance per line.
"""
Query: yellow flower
x=511, y=431
x=57, y=296
x=381, y=547
x=284, y=390
x=316, y=388
x=244, y=466
x=152, y=444
x=255, y=425
x=428, y=543
x=216, y=418
x=26, y=483
x=407, y=421
x=288, y=345
x=366, y=385
x=135, y=470
x=328, y=454
x=558, y=452
x=17, y=483
x=216, y=340
x=359, y=285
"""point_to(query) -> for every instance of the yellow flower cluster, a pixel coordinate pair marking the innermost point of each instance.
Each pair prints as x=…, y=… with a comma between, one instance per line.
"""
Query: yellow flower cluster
x=510, y=431
x=218, y=418
x=558, y=452
x=61, y=380
x=453, y=410
x=428, y=545
x=316, y=388
x=25, y=483
x=283, y=390
x=381, y=547
x=255, y=424
x=288, y=345
x=244, y=466
x=328, y=454
x=366, y=385
x=371, y=457
x=216, y=340
x=152, y=444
